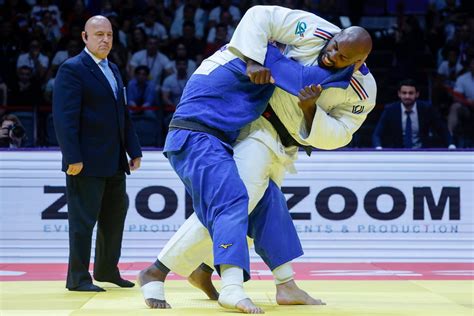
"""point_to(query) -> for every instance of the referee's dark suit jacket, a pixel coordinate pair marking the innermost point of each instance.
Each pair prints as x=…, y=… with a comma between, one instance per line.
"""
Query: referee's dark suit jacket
x=93, y=127
x=433, y=131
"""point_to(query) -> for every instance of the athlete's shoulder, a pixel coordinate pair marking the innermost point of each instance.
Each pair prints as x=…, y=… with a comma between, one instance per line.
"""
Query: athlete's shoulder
x=322, y=28
x=363, y=85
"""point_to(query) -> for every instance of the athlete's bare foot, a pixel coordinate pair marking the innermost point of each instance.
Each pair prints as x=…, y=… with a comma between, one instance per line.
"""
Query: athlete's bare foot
x=202, y=280
x=150, y=274
x=245, y=306
x=290, y=294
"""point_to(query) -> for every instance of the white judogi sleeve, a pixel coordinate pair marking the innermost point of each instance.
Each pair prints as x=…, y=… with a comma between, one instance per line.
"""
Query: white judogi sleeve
x=305, y=31
x=339, y=113
x=334, y=126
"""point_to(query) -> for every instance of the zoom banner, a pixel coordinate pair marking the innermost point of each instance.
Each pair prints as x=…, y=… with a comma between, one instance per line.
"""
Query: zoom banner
x=340, y=202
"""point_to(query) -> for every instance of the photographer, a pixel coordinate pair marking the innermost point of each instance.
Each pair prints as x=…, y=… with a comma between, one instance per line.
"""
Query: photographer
x=12, y=132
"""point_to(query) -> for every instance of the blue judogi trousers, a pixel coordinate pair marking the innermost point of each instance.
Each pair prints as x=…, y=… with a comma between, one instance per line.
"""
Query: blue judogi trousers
x=206, y=167
x=271, y=227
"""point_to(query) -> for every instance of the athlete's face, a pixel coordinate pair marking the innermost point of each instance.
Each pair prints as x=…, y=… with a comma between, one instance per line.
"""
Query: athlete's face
x=341, y=52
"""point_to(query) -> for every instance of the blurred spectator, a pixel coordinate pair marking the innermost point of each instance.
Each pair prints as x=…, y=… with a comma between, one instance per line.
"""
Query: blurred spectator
x=137, y=40
x=153, y=28
x=188, y=13
x=450, y=68
x=34, y=59
x=164, y=14
x=73, y=48
x=42, y=6
x=23, y=32
x=226, y=20
x=141, y=91
x=461, y=114
x=48, y=88
x=448, y=71
x=464, y=38
x=119, y=54
x=25, y=91
x=449, y=15
x=172, y=89
x=151, y=57
x=194, y=46
x=410, y=123
x=12, y=132
x=225, y=5
x=124, y=31
x=106, y=9
x=219, y=41
x=181, y=53
x=49, y=27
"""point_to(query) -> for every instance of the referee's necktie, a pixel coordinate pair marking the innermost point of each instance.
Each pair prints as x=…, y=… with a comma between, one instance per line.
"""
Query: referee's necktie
x=408, y=139
x=109, y=75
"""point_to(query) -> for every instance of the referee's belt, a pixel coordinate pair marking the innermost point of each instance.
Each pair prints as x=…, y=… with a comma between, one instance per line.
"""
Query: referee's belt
x=286, y=139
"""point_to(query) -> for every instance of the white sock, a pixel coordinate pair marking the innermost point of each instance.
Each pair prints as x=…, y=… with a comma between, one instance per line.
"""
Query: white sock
x=153, y=289
x=283, y=273
x=232, y=290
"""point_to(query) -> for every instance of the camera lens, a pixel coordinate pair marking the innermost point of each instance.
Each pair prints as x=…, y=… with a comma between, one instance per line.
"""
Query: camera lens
x=18, y=131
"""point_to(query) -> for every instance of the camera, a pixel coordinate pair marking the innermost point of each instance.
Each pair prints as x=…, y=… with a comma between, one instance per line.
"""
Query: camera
x=17, y=130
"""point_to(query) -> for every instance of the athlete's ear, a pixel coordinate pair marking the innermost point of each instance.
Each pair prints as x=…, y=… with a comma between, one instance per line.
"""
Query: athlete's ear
x=359, y=63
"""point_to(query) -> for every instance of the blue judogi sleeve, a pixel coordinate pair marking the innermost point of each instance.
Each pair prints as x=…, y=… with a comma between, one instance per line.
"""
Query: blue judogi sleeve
x=291, y=76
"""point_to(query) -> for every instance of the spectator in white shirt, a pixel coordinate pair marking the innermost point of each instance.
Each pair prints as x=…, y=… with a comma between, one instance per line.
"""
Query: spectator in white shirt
x=73, y=48
x=158, y=63
x=34, y=59
x=172, y=89
x=137, y=40
x=49, y=27
x=45, y=5
x=181, y=53
x=153, y=28
x=188, y=13
x=226, y=19
x=450, y=68
x=461, y=113
x=225, y=5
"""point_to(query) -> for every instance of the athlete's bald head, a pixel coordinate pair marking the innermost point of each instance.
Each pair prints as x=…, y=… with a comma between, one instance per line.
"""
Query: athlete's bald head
x=359, y=39
x=350, y=46
x=98, y=36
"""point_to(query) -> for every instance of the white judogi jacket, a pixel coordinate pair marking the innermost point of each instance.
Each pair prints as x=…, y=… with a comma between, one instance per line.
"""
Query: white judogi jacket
x=340, y=112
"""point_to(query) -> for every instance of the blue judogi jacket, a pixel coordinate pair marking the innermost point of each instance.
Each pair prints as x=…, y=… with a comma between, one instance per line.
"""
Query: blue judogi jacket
x=226, y=100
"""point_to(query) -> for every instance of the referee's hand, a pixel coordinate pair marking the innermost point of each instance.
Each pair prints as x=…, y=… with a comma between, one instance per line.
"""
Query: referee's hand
x=74, y=168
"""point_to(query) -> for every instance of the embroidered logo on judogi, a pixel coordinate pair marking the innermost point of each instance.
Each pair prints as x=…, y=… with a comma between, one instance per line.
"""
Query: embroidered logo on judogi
x=225, y=246
x=300, y=28
x=357, y=109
